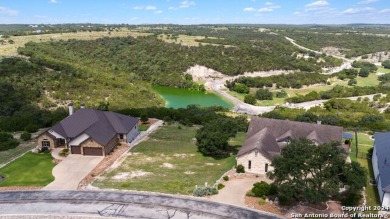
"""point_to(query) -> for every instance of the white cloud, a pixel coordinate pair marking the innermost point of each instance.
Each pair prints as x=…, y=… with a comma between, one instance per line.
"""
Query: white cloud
x=183, y=5
x=317, y=6
x=150, y=8
x=158, y=12
x=363, y=2
x=386, y=10
x=249, y=9
x=8, y=11
x=356, y=10
x=269, y=7
x=53, y=1
x=134, y=18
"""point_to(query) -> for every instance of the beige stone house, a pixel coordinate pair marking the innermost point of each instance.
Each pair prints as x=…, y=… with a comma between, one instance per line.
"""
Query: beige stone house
x=267, y=137
x=90, y=132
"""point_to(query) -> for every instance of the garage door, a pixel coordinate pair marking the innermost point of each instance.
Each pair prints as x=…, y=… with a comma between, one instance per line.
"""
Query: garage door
x=93, y=151
x=75, y=149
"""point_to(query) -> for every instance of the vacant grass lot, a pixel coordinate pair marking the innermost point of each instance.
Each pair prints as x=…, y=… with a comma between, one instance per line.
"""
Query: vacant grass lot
x=29, y=170
x=364, y=144
x=6, y=156
x=167, y=162
x=11, y=49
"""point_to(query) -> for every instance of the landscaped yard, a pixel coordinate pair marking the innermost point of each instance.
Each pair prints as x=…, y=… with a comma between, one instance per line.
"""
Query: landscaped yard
x=167, y=162
x=29, y=170
x=364, y=144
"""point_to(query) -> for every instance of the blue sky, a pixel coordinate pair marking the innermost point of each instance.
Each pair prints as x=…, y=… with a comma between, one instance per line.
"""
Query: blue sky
x=195, y=11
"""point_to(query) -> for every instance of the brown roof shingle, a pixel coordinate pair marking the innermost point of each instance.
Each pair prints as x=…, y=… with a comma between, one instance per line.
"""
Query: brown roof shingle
x=264, y=134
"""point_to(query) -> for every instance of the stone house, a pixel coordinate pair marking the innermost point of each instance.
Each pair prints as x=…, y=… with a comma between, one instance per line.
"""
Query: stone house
x=90, y=132
x=267, y=137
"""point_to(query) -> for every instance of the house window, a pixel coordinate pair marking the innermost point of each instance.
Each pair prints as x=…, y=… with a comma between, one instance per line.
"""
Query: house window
x=45, y=143
x=249, y=164
x=266, y=167
x=61, y=141
x=121, y=136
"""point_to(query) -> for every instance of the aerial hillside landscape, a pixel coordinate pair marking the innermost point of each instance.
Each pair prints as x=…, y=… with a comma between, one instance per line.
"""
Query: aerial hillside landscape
x=271, y=116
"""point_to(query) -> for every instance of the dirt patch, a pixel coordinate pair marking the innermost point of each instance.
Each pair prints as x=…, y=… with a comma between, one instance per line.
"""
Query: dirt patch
x=200, y=73
x=210, y=164
x=134, y=174
x=168, y=165
x=189, y=173
x=334, y=51
x=20, y=188
x=253, y=202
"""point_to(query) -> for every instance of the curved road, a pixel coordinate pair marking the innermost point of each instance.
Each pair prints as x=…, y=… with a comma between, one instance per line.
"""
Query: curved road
x=218, y=85
x=97, y=204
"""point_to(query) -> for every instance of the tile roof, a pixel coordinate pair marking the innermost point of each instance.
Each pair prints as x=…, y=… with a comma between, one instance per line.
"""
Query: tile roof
x=101, y=126
x=382, y=150
x=266, y=135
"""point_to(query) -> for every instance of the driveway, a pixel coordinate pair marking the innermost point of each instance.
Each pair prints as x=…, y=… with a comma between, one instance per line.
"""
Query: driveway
x=69, y=172
x=236, y=189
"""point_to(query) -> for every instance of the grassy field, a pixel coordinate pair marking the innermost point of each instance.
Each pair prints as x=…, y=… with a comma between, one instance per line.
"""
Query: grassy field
x=364, y=144
x=167, y=162
x=384, y=70
x=7, y=155
x=29, y=170
x=11, y=49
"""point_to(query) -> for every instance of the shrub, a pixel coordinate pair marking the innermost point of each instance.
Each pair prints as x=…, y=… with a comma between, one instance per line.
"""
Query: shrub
x=144, y=118
x=351, y=199
x=264, y=94
x=241, y=88
x=221, y=186
x=273, y=189
x=31, y=128
x=204, y=191
x=281, y=94
x=261, y=189
x=64, y=153
x=226, y=178
x=240, y=169
x=352, y=82
x=250, y=99
x=7, y=141
x=25, y=136
x=262, y=201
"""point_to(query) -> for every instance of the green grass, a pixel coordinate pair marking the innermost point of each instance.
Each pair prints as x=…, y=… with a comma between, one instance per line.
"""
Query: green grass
x=7, y=155
x=384, y=70
x=364, y=144
x=371, y=80
x=29, y=170
x=143, y=127
x=239, y=139
x=170, y=157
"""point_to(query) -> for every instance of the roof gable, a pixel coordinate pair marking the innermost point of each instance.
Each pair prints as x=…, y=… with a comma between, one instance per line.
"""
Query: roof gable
x=101, y=126
x=264, y=135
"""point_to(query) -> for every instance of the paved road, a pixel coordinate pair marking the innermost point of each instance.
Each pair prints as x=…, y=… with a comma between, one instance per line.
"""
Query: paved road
x=118, y=204
x=69, y=172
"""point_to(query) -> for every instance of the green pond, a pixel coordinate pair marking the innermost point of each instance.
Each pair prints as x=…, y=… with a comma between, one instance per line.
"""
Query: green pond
x=181, y=98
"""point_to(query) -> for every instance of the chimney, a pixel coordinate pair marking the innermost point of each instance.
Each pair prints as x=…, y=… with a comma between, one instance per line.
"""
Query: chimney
x=71, y=109
x=82, y=106
x=319, y=122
